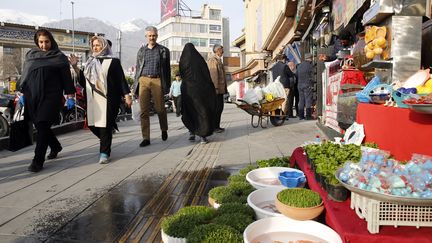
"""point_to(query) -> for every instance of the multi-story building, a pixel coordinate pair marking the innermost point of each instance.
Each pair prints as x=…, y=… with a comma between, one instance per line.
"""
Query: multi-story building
x=204, y=31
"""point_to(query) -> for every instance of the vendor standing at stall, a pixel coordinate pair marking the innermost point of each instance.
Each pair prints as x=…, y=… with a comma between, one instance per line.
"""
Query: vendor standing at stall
x=342, y=41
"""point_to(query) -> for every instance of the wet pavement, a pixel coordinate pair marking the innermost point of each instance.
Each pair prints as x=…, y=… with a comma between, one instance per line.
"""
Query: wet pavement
x=74, y=199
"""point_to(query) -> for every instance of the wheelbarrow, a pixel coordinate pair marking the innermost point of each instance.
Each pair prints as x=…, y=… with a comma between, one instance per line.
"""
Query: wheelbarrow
x=270, y=110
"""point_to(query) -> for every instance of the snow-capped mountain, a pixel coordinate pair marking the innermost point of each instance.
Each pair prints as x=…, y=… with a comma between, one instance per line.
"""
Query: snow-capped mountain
x=132, y=36
x=133, y=25
x=13, y=16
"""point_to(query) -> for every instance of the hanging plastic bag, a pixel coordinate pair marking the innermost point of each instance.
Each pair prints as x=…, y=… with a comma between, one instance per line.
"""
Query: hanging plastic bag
x=136, y=111
x=276, y=89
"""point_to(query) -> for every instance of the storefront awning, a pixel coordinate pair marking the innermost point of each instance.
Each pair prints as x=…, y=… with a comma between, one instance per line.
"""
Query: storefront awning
x=240, y=74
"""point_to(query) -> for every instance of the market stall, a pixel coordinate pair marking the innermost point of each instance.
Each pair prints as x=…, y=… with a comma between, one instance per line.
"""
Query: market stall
x=344, y=220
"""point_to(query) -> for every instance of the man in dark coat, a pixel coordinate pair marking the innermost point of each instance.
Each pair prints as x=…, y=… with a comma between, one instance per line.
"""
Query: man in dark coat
x=198, y=93
x=305, y=87
x=280, y=69
x=152, y=81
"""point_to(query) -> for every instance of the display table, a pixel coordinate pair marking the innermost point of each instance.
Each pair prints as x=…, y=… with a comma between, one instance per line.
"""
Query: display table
x=347, y=224
x=400, y=131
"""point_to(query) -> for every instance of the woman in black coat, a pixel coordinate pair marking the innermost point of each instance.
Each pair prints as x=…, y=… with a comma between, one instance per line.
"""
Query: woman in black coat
x=198, y=94
x=45, y=76
x=105, y=86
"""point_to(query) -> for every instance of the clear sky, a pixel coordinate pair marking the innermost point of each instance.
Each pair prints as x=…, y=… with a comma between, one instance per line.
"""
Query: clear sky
x=118, y=11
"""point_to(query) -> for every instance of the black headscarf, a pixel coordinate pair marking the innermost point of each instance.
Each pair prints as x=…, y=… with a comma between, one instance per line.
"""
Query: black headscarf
x=36, y=58
x=198, y=93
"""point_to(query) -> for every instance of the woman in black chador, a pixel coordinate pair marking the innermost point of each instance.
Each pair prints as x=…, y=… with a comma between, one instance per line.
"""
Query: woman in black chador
x=105, y=86
x=198, y=93
x=45, y=76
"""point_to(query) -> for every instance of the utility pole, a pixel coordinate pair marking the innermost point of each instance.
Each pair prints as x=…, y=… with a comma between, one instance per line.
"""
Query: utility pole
x=73, y=28
x=73, y=51
x=119, y=38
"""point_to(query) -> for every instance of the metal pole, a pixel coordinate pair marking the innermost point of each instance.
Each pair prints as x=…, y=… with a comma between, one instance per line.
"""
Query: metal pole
x=73, y=51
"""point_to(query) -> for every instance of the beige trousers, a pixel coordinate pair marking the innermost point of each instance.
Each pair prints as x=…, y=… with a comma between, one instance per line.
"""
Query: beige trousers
x=151, y=89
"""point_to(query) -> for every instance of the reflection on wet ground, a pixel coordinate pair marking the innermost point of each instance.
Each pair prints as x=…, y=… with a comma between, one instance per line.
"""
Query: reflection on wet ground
x=133, y=210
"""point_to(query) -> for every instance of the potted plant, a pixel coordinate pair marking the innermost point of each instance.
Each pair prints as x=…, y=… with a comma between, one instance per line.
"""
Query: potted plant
x=247, y=169
x=214, y=233
x=299, y=203
x=236, y=178
x=204, y=213
x=238, y=221
x=176, y=228
x=234, y=192
x=274, y=162
x=231, y=208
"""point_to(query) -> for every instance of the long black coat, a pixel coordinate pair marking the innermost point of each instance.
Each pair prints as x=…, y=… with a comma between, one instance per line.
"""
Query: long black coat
x=54, y=80
x=198, y=93
x=117, y=88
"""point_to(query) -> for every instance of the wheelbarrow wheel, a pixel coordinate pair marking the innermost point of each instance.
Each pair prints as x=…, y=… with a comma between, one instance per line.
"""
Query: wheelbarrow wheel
x=278, y=118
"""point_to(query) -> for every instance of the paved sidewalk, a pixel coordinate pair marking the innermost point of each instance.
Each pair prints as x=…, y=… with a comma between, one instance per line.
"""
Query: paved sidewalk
x=74, y=194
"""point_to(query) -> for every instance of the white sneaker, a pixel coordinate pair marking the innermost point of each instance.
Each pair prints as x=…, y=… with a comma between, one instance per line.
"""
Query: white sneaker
x=204, y=140
x=103, y=158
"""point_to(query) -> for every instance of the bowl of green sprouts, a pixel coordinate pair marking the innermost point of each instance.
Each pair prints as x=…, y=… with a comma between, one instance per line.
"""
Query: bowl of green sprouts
x=299, y=203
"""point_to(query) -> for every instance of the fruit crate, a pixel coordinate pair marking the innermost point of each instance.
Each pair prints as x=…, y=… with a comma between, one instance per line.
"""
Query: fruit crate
x=377, y=213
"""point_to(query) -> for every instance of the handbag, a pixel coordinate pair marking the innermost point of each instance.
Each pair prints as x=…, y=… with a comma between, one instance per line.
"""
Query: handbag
x=20, y=135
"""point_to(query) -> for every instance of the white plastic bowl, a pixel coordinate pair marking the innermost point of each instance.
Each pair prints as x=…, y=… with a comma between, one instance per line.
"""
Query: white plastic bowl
x=282, y=229
x=259, y=199
x=267, y=177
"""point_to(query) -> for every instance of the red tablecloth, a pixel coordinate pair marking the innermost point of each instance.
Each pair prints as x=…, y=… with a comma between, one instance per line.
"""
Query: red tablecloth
x=400, y=131
x=348, y=225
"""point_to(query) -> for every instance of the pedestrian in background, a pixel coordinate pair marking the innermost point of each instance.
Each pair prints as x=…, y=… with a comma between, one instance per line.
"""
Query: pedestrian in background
x=152, y=81
x=293, y=96
x=175, y=93
x=305, y=87
x=218, y=78
x=105, y=85
x=46, y=76
x=281, y=70
x=198, y=94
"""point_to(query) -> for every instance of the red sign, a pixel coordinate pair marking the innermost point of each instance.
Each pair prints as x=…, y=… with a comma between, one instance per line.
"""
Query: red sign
x=169, y=8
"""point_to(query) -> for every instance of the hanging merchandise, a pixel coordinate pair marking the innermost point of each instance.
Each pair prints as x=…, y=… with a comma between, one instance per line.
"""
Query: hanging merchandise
x=354, y=134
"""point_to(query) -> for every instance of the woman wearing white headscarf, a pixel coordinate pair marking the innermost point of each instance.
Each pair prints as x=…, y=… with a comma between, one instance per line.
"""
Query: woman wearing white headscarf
x=105, y=85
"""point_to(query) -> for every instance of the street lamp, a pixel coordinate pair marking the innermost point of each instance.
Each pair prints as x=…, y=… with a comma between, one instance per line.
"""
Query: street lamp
x=73, y=28
x=73, y=51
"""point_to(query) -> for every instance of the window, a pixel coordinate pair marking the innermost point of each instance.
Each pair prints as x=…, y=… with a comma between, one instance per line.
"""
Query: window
x=195, y=41
x=216, y=28
x=215, y=41
x=185, y=28
x=203, y=28
x=215, y=14
x=203, y=42
x=184, y=41
x=8, y=50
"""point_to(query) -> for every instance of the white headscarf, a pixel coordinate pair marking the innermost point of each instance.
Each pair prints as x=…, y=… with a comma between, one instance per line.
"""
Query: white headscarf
x=93, y=67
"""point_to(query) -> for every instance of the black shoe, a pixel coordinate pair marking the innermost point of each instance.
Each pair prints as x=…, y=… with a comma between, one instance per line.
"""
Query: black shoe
x=164, y=135
x=309, y=118
x=301, y=118
x=35, y=167
x=219, y=130
x=144, y=143
x=178, y=115
x=53, y=154
x=286, y=118
x=204, y=140
x=292, y=116
x=192, y=138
